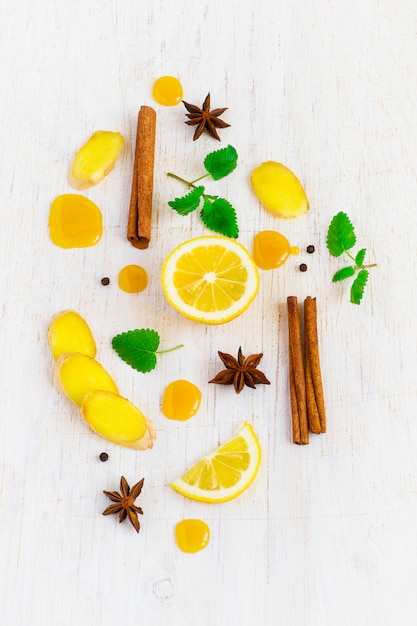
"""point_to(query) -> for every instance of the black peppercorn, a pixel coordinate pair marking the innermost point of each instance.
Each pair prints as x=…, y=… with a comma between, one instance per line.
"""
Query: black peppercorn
x=310, y=249
x=104, y=456
x=303, y=267
x=105, y=281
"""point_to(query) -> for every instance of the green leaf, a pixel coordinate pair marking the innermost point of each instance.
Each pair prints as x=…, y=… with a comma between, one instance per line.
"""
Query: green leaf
x=188, y=203
x=220, y=216
x=221, y=163
x=341, y=234
x=345, y=272
x=360, y=257
x=137, y=348
x=358, y=286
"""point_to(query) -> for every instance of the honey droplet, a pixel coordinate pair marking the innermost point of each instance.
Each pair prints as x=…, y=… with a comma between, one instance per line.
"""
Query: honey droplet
x=271, y=249
x=181, y=400
x=75, y=221
x=133, y=279
x=167, y=90
x=192, y=535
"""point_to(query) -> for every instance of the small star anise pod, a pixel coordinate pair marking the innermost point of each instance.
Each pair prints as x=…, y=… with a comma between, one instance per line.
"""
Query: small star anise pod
x=125, y=502
x=240, y=372
x=204, y=118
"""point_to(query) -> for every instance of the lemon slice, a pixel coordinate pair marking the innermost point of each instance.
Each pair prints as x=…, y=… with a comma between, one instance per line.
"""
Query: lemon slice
x=224, y=474
x=210, y=279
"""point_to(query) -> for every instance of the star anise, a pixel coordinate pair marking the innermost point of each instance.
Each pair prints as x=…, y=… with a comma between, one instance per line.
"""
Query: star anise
x=240, y=372
x=125, y=502
x=204, y=118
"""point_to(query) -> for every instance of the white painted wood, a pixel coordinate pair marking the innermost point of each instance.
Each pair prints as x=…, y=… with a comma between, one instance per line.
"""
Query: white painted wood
x=327, y=534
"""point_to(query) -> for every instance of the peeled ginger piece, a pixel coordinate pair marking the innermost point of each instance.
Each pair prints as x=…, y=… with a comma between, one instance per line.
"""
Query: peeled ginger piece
x=95, y=159
x=118, y=420
x=279, y=190
x=69, y=332
x=78, y=374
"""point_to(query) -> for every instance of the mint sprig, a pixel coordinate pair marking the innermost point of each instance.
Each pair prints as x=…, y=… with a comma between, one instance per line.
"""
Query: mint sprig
x=341, y=238
x=216, y=213
x=139, y=348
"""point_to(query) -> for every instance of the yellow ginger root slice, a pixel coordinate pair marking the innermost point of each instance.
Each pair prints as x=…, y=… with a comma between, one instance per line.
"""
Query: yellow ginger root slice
x=115, y=418
x=95, y=159
x=68, y=332
x=147, y=440
x=78, y=374
x=279, y=190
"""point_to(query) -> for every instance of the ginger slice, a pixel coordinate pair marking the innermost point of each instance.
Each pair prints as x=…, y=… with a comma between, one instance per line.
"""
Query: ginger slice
x=147, y=440
x=95, y=159
x=279, y=190
x=117, y=419
x=78, y=374
x=69, y=332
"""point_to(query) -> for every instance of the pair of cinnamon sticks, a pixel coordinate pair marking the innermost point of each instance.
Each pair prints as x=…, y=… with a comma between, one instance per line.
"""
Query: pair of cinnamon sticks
x=140, y=210
x=306, y=386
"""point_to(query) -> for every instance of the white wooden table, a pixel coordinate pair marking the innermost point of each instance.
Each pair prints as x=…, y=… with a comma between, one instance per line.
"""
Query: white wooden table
x=327, y=533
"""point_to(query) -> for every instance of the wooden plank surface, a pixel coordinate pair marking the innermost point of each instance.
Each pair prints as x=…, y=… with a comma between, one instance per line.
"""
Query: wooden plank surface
x=327, y=533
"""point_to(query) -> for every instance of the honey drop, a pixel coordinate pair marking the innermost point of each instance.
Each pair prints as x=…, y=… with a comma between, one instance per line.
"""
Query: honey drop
x=167, y=90
x=192, y=535
x=75, y=221
x=133, y=279
x=181, y=400
x=271, y=249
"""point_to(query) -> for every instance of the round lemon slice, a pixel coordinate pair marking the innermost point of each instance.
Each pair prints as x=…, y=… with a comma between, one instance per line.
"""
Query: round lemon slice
x=224, y=474
x=210, y=279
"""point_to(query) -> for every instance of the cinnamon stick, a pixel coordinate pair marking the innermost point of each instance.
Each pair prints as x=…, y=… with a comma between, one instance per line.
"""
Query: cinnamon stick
x=295, y=419
x=315, y=396
x=140, y=211
x=297, y=376
x=312, y=411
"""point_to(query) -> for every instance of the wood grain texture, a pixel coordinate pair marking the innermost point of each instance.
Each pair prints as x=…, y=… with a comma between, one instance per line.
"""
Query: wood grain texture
x=326, y=534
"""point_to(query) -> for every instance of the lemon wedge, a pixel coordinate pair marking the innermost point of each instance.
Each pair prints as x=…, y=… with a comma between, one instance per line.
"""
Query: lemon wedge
x=210, y=279
x=226, y=473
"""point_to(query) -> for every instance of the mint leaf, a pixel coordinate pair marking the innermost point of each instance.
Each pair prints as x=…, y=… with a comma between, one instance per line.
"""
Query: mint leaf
x=340, y=235
x=188, y=203
x=221, y=163
x=358, y=286
x=360, y=257
x=137, y=348
x=345, y=272
x=220, y=216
